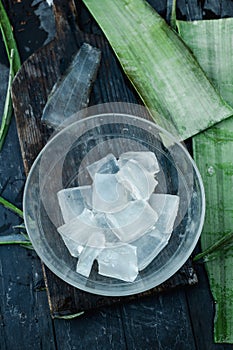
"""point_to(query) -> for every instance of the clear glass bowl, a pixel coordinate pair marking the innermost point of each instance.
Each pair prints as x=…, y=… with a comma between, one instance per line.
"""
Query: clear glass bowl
x=62, y=164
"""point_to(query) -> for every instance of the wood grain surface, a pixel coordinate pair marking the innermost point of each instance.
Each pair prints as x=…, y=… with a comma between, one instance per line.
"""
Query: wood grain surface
x=30, y=90
x=180, y=318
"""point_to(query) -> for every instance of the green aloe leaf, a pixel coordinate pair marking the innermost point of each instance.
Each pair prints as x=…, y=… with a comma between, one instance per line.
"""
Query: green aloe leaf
x=11, y=207
x=210, y=42
x=8, y=108
x=224, y=243
x=8, y=38
x=69, y=317
x=14, y=61
x=163, y=71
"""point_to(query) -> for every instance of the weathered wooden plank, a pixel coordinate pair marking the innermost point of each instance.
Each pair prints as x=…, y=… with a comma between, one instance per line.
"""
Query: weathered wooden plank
x=207, y=9
x=75, y=333
x=25, y=320
x=158, y=323
x=214, y=6
x=22, y=305
x=72, y=300
x=30, y=90
x=25, y=24
x=226, y=8
x=99, y=330
x=24, y=315
x=189, y=9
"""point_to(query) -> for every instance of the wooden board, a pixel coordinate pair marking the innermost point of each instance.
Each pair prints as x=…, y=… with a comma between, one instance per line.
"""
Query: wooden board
x=30, y=91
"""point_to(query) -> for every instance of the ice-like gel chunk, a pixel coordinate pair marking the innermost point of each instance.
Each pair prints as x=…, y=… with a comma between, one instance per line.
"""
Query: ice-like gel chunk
x=108, y=194
x=106, y=165
x=119, y=262
x=74, y=248
x=166, y=205
x=118, y=220
x=72, y=201
x=149, y=246
x=110, y=236
x=133, y=221
x=137, y=180
x=90, y=252
x=81, y=228
x=145, y=158
x=72, y=91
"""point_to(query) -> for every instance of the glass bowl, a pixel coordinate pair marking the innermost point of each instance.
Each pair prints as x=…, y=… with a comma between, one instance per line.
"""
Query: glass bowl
x=62, y=164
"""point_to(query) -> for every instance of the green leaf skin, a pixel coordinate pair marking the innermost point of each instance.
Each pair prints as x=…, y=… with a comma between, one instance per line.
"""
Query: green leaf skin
x=69, y=317
x=11, y=207
x=211, y=43
x=14, y=60
x=8, y=108
x=163, y=71
x=8, y=38
x=225, y=242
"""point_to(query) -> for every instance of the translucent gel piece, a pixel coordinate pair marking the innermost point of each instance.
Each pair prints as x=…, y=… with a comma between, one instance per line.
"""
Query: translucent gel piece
x=74, y=248
x=154, y=241
x=72, y=201
x=101, y=220
x=119, y=262
x=110, y=236
x=106, y=165
x=133, y=221
x=71, y=93
x=147, y=159
x=138, y=181
x=81, y=228
x=108, y=194
x=90, y=252
x=166, y=205
x=149, y=246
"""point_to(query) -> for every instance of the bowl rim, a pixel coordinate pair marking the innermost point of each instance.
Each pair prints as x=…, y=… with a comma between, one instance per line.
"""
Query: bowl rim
x=133, y=285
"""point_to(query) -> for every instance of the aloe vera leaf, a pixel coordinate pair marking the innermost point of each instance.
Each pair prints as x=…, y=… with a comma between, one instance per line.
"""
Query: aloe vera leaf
x=71, y=93
x=24, y=244
x=224, y=243
x=163, y=71
x=210, y=40
x=171, y=13
x=14, y=60
x=8, y=108
x=69, y=317
x=8, y=38
x=213, y=155
x=211, y=43
x=11, y=207
x=12, y=238
x=15, y=239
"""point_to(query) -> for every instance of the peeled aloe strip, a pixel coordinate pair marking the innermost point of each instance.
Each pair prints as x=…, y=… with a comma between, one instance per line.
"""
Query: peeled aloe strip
x=161, y=68
x=211, y=44
x=71, y=93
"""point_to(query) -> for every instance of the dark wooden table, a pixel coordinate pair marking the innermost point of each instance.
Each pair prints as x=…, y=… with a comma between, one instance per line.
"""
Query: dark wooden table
x=178, y=319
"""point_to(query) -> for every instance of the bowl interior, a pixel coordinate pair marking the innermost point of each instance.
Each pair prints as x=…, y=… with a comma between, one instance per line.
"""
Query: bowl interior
x=62, y=164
